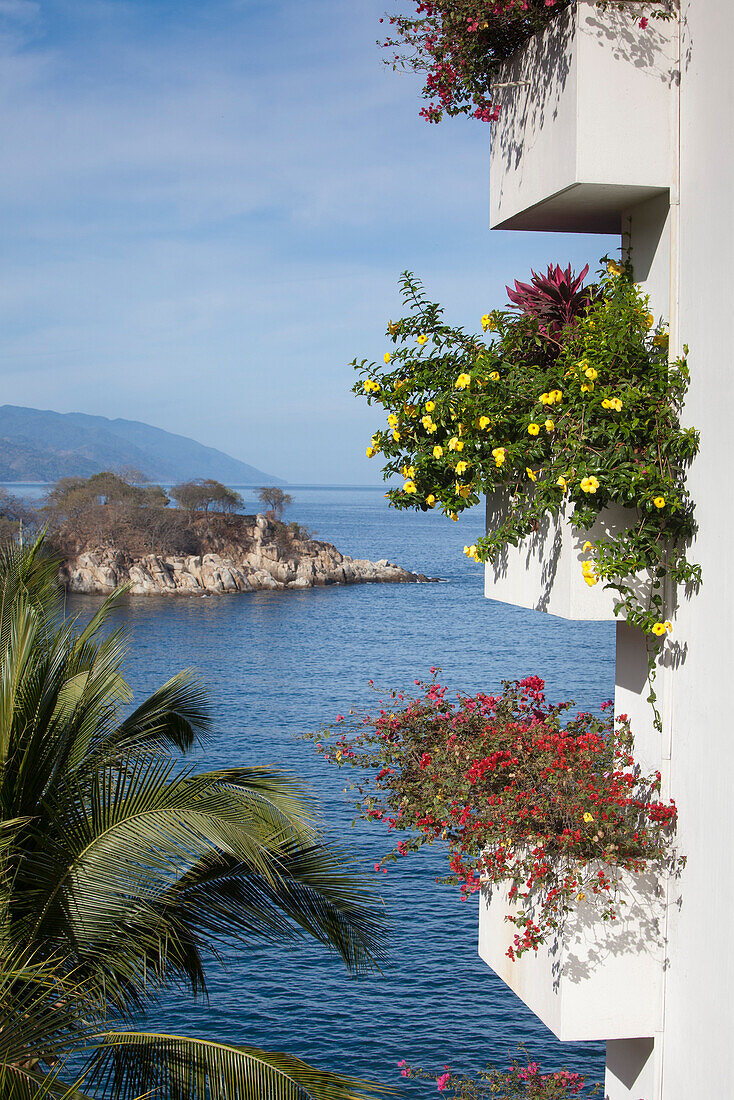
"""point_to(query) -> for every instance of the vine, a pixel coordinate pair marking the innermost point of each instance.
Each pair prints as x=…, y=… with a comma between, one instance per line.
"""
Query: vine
x=567, y=403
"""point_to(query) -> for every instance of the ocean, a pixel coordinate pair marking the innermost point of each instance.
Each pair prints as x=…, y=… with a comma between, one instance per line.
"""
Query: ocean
x=279, y=663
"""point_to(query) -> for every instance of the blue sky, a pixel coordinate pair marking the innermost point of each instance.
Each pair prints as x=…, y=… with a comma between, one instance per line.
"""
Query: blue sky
x=204, y=210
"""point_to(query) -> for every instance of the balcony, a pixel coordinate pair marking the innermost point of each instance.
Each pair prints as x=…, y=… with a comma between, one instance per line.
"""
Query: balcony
x=584, y=131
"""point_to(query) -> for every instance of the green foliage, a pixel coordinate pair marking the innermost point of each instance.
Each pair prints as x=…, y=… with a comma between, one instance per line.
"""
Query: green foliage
x=275, y=498
x=204, y=494
x=560, y=423
x=123, y=867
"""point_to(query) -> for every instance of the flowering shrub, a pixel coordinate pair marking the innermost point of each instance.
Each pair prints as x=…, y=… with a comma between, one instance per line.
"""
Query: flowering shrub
x=557, y=811
x=572, y=402
x=460, y=44
x=522, y=1080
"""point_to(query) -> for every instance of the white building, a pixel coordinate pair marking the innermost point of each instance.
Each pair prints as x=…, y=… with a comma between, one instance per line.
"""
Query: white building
x=609, y=128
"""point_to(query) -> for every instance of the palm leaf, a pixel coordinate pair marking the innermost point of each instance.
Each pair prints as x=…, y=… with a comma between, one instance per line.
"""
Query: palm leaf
x=175, y=1067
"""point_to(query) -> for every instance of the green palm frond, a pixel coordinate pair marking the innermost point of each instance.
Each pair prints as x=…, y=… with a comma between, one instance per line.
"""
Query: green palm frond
x=180, y=1068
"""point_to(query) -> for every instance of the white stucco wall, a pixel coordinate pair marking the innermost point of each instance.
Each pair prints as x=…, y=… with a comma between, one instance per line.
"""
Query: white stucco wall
x=682, y=246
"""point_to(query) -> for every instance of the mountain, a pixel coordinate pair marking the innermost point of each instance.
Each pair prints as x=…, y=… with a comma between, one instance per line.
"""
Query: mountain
x=39, y=445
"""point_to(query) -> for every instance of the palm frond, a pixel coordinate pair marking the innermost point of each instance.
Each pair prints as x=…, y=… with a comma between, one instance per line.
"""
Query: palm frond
x=128, y=1064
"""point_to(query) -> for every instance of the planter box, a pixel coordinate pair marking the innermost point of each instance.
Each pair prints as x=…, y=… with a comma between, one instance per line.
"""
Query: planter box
x=598, y=979
x=544, y=573
x=584, y=131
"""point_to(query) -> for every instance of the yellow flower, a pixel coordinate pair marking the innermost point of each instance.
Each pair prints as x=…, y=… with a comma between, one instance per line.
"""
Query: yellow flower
x=463, y=381
x=430, y=406
x=453, y=516
x=531, y=475
x=660, y=339
x=462, y=466
x=550, y=426
x=614, y=268
x=591, y=579
x=668, y=626
x=556, y=396
x=494, y=375
x=371, y=452
x=562, y=482
x=606, y=403
x=408, y=471
x=615, y=403
x=582, y=364
x=370, y=386
x=396, y=436
x=488, y=323
x=392, y=328
x=375, y=441
x=588, y=817
x=410, y=410
x=484, y=421
x=545, y=399
x=430, y=500
x=587, y=546
x=409, y=486
x=463, y=490
x=455, y=444
x=649, y=320
x=591, y=373
x=387, y=357
x=428, y=423
x=471, y=551
x=580, y=897
x=533, y=429
x=587, y=387
x=589, y=484
x=422, y=339
x=437, y=451
x=392, y=420
x=659, y=629
x=659, y=502
x=498, y=454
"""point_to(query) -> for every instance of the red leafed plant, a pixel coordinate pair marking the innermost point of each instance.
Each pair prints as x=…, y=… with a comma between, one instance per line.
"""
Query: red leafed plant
x=555, y=810
x=556, y=299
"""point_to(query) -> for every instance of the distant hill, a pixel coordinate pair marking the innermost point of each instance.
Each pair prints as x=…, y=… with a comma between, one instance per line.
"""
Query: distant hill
x=39, y=445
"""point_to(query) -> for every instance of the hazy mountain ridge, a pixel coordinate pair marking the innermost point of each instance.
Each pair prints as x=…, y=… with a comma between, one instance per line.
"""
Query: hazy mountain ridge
x=41, y=445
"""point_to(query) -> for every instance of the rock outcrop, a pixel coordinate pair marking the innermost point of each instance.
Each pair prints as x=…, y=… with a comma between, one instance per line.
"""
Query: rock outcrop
x=269, y=557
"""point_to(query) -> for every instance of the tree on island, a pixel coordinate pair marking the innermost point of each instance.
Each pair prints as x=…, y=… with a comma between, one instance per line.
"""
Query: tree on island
x=124, y=870
x=276, y=500
x=204, y=494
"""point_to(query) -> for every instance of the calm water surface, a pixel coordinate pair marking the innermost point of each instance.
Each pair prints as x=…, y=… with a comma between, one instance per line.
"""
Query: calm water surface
x=280, y=663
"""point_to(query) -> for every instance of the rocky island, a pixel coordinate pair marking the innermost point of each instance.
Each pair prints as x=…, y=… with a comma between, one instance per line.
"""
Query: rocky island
x=264, y=555
x=109, y=530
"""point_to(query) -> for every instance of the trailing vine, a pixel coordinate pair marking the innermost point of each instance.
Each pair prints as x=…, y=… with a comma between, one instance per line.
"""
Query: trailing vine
x=567, y=403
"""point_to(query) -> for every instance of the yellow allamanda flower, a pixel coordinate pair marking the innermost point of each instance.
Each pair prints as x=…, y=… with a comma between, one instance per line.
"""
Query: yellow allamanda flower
x=371, y=452
x=463, y=381
x=533, y=476
x=455, y=444
x=430, y=406
x=430, y=500
x=659, y=629
x=562, y=482
x=484, y=422
x=462, y=466
x=589, y=484
x=488, y=323
x=587, y=546
x=533, y=429
x=556, y=396
x=437, y=451
x=494, y=375
x=591, y=373
x=614, y=268
x=371, y=386
x=587, y=387
x=422, y=339
x=659, y=502
x=545, y=399
x=427, y=423
x=410, y=486
x=396, y=435
x=408, y=471
x=499, y=454
x=615, y=403
x=588, y=817
x=462, y=490
x=387, y=357
x=649, y=320
x=392, y=420
x=549, y=425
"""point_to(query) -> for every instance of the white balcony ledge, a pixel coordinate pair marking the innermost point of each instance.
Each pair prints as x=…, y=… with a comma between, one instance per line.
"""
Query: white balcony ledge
x=544, y=572
x=598, y=980
x=584, y=131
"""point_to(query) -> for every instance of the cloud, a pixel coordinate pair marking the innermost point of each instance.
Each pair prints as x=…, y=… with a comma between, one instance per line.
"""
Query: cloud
x=204, y=210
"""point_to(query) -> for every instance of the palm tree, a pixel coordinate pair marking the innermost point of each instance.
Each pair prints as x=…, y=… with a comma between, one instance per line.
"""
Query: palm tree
x=120, y=864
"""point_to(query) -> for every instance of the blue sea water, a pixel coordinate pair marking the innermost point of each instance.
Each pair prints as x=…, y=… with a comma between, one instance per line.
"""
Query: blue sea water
x=279, y=663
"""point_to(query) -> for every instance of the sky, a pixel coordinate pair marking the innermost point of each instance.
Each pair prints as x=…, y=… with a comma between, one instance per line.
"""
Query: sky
x=204, y=211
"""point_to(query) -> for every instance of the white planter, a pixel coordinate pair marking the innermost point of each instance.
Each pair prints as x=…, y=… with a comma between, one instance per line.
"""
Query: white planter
x=544, y=572
x=585, y=122
x=598, y=979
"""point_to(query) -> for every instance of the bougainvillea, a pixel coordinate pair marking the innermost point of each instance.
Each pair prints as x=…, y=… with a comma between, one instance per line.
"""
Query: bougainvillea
x=523, y=1080
x=461, y=44
x=556, y=415
x=556, y=811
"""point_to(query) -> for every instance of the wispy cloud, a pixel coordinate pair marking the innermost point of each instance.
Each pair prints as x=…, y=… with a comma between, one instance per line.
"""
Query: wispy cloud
x=204, y=210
